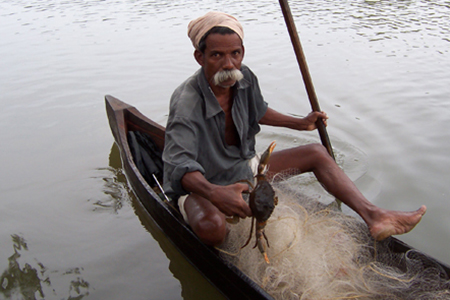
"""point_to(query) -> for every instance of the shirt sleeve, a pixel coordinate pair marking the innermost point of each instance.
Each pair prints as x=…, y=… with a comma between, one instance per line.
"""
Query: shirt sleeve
x=180, y=154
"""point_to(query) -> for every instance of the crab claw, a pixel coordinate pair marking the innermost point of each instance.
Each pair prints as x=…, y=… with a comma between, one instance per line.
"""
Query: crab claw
x=265, y=158
x=260, y=242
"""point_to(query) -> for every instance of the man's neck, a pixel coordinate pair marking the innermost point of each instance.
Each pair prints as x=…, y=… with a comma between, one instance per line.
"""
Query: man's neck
x=223, y=94
x=220, y=90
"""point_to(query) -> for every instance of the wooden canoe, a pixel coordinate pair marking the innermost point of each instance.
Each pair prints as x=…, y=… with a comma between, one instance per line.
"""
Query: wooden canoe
x=228, y=279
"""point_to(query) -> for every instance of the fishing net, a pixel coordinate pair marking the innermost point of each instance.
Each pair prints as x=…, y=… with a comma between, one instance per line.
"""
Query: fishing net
x=317, y=252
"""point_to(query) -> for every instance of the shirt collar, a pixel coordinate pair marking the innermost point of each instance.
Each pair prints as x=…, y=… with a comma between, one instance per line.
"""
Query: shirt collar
x=211, y=104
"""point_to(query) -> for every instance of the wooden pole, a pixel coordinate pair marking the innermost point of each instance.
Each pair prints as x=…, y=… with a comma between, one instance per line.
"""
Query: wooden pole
x=305, y=73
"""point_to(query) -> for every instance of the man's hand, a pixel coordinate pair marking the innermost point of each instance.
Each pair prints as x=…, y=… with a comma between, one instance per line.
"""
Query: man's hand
x=228, y=199
x=312, y=117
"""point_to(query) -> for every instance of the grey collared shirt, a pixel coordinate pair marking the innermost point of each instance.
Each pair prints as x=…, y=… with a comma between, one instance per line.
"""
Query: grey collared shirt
x=195, y=132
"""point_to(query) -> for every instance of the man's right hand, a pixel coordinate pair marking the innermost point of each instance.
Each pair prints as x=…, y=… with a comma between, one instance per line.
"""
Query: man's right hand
x=228, y=199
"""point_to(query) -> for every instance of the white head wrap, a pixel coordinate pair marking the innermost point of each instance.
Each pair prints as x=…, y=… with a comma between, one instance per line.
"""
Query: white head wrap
x=199, y=27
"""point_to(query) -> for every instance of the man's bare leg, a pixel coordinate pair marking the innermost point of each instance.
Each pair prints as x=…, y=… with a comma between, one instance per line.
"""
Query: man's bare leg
x=314, y=158
x=206, y=220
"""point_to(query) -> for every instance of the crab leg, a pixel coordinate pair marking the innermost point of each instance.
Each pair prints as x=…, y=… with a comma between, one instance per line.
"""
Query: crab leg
x=251, y=232
x=260, y=236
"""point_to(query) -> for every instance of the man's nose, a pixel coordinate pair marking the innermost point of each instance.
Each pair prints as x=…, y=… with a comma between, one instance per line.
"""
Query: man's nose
x=227, y=63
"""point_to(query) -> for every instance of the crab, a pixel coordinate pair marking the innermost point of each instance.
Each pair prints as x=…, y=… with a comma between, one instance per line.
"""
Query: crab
x=262, y=202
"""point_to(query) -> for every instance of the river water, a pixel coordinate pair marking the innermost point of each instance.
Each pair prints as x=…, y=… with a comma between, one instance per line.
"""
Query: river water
x=69, y=227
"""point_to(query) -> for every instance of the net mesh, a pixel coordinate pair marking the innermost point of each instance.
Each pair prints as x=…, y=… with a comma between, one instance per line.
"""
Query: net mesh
x=317, y=252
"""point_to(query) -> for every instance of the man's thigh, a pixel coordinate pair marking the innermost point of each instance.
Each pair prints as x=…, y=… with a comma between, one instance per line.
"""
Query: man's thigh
x=298, y=160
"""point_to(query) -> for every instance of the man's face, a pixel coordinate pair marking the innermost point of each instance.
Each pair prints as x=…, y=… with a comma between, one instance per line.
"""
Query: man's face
x=222, y=53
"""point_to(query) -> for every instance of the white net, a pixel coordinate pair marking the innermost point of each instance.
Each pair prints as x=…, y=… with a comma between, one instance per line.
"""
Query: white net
x=317, y=252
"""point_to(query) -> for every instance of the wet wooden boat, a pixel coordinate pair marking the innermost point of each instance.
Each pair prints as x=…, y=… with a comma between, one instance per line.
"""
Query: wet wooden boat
x=228, y=279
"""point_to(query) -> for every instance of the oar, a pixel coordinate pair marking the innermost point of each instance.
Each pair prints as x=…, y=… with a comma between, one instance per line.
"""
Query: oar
x=305, y=73
x=307, y=80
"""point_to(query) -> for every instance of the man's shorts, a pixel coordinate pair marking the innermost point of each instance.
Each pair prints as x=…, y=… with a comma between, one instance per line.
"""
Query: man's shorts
x=253, y=163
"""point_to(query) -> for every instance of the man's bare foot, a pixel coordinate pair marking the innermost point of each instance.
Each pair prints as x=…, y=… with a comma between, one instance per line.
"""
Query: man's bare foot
x=395, y=222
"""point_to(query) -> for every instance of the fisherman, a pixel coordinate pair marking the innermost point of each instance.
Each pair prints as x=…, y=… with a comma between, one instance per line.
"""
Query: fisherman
x=210, y=141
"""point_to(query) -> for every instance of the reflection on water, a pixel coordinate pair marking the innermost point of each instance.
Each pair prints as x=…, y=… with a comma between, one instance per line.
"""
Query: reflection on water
x=21, y=281
x=28, y=282
x=115, y=188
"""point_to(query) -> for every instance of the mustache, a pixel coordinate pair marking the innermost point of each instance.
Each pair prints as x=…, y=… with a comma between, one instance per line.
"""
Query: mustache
x=224, y=75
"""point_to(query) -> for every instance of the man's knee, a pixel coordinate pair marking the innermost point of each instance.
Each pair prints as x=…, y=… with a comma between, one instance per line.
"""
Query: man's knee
x=318, y=157
x=319, y=151
x=211, y=229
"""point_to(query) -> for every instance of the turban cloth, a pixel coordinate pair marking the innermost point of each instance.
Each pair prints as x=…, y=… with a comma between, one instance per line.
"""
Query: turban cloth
x=199, y=27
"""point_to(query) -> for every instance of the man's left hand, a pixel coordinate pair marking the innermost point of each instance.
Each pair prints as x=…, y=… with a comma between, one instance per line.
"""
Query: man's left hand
x=312, y=118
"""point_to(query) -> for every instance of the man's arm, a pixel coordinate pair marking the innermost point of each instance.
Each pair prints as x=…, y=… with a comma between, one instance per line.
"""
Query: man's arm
x=228, y=199
x=274, y=118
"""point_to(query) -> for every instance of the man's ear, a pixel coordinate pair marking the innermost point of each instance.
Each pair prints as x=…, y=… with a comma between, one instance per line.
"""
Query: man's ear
x=199, y=57
x=243, y=51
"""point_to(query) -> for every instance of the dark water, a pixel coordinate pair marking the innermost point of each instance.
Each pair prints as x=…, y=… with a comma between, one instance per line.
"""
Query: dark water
x=71, y=229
